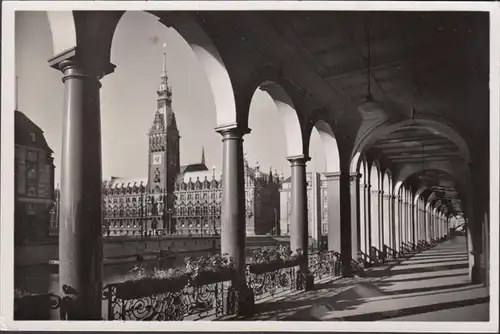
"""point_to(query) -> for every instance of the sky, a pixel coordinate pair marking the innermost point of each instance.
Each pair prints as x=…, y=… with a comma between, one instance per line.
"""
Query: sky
x=128, y=99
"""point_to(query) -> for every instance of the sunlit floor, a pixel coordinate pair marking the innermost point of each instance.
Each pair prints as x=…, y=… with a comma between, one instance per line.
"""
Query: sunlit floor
x=430, y=286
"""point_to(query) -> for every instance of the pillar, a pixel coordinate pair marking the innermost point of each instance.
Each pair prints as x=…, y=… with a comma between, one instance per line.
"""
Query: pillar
x=355, y=220
x=333, y=184
x=375, y=218
x=397, y=223
x=233, y=229
x=80, y=227
x=428, y=223
x=386, y=198
x=362, y=218
x=316, y=210
x=299, y=230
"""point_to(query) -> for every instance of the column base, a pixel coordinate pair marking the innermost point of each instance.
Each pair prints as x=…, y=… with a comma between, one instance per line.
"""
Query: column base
x=305, y=281
x=240, y=302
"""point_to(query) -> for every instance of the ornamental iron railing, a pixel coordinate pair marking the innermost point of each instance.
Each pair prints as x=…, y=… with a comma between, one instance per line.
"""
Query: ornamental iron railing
x=268, y=280
x=193, y=302
x=324, y=264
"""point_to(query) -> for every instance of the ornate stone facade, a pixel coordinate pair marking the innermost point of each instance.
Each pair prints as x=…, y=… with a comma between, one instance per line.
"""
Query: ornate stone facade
x=34, y=181
x=317, y=204
x=176, y=199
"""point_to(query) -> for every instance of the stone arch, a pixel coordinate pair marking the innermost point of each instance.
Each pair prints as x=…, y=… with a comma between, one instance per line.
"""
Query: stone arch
x=63, y=30
x=445, y=166
x=379, y=131
x=332, y=157
x=386, y=182
x=418, y=194
x=211, y=62
x=289, y=117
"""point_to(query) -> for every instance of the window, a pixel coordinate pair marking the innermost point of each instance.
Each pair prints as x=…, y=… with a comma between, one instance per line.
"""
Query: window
x=32, y=137
x=31, y=173
x=197, y=196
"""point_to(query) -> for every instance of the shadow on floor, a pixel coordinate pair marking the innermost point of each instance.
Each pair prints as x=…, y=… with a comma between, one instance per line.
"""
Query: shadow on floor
x=410, y=271
x=377, y=316
x=423, y=278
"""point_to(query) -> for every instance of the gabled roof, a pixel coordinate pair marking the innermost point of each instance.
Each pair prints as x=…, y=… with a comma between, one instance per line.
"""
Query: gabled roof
x=199, y=167
x=24, y=127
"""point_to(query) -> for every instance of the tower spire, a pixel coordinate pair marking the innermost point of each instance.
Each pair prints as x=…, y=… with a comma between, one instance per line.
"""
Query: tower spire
x=203, y=155
x=164, y=72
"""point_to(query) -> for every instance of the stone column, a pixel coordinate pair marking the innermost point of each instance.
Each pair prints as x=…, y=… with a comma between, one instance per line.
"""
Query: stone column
x=80, y=231
x=233, y=229
x=355, y=212
x=413, y=222
x=299, y=235
x=362, y=219
x=333, y=181
x=397, y=223
x=387, y=217
x=375, y=218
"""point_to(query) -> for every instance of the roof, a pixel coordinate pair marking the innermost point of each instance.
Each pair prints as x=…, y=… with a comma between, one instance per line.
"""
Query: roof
x=24, y=127
x=194, y=172
x=193, y=168
x=118, y=183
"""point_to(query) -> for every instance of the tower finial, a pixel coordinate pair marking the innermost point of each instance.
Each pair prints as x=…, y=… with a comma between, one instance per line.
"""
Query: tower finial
x=164, y=73
x=203, y=155
x=17, y=93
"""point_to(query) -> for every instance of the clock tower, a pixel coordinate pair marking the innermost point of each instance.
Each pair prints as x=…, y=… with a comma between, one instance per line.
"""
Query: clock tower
x=163, y=147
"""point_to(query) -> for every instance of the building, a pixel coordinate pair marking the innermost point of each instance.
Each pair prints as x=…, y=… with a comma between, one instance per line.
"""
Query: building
x=34, y=181
x=175, y=199
x=317, y=205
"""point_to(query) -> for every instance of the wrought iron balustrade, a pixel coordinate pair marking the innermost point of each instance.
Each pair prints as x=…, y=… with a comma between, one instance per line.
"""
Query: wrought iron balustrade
x=39, y=307
x=269, y=279
x=324, y=264
x=193, y=302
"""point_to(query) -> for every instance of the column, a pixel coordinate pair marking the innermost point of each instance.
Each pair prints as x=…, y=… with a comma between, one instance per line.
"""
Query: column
x=386, y=198
x=316, y=210
x=381, y=225
x=333, y=184
x=404, y=214
x=375, y=218
x=428, y=223
x=80, y=231
x=299, y=229
x=397, y=223
x=362, y=218
x=413, y=223
x=233, y=229
x=355, y=220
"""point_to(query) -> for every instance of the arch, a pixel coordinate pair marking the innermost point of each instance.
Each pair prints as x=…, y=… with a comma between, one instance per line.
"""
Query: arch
x=289, y=118
x=419, y=193
x=210, y=60
x=445, y=166
x=63, y=31
x=355, y=161
x=383, y=129
x=332, y=157
x=375, y=175
x=428, y=205
x=386, y=182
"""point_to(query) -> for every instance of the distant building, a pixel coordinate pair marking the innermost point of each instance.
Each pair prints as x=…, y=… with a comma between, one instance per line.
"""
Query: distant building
x=175, y=199
x=34, y=181
x=317, y=204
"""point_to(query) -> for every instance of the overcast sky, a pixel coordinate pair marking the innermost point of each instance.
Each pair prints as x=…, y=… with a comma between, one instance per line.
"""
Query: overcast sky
x=128, y=99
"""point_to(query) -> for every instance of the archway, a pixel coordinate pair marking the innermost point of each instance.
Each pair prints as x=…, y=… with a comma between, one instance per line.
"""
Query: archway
x=364, y=209
x=325, y=166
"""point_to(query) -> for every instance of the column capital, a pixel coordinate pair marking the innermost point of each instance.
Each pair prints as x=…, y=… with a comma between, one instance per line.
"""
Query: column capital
x=376, y=192
x=298, y=160
x=387, y=196
x=354, y=176
x=232, y=131
x=332, y=175
x=83, y=67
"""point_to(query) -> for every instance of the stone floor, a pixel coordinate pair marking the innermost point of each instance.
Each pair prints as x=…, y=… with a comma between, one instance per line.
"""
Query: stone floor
x=430, y=286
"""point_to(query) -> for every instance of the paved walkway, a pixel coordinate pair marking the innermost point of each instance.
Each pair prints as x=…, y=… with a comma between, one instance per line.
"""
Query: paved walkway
x=430, y=286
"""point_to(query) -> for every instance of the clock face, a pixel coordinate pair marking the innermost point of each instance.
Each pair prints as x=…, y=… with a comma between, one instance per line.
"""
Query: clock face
x=156, y=159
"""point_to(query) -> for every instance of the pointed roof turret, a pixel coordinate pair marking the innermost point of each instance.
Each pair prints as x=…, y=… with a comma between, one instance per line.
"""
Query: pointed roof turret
x=270, y=176
x=203, y=155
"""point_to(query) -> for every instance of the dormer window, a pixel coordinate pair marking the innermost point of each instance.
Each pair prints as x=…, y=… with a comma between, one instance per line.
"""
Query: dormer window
x=32, y=137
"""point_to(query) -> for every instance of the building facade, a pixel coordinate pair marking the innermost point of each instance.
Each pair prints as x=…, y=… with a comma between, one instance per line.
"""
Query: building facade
x=175, y=199
x=317, y=206
x=34, y=181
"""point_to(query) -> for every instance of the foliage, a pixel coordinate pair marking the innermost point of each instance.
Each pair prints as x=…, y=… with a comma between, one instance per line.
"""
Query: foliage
x=210, y=263
x=274, y=254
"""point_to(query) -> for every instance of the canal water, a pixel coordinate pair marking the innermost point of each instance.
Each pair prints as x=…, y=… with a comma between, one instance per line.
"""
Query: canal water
x=44, y=278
